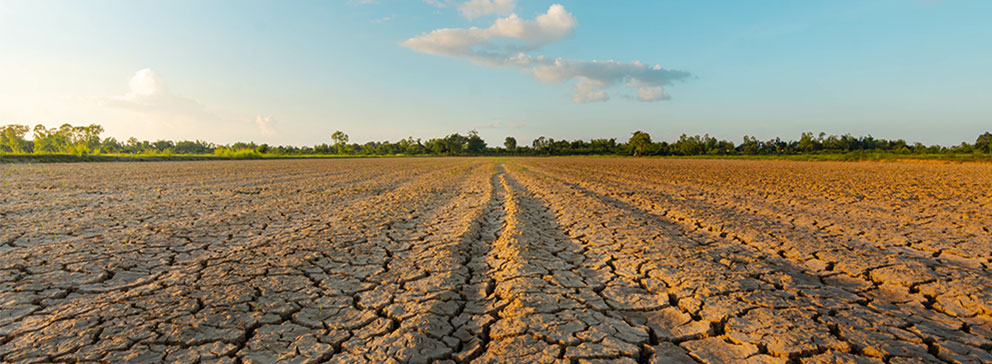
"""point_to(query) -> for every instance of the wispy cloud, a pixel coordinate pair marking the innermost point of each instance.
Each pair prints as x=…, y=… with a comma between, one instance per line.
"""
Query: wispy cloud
x=151, y=102
x=264, y=125
x=478, y=44
x=507, y=42
x=383, y=19
x=594, y=77
x=475, y=8
x=439, y=3
x=146, y=94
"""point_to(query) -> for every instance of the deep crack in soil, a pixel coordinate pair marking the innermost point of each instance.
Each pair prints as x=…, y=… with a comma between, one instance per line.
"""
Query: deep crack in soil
x=461, y=260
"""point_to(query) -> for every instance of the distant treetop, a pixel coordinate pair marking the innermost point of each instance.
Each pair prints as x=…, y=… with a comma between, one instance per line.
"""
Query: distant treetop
x=84, y=140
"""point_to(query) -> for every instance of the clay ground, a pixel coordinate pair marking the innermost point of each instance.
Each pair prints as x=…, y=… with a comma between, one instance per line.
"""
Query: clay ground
x=472, y=260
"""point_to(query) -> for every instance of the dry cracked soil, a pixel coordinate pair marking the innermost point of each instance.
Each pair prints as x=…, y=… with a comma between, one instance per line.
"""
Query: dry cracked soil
x=471, y=260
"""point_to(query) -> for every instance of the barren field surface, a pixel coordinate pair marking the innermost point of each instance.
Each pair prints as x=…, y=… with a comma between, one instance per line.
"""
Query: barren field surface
x=471, y=260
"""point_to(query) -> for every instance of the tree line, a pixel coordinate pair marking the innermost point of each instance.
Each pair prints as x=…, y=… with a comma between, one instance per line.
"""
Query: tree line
x=86, y=140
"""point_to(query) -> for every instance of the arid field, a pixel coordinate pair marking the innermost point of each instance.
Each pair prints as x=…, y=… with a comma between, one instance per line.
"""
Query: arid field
x=473, y=260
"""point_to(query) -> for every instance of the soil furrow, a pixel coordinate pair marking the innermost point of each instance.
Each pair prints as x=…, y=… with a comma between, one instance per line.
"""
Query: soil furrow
x=472, y=260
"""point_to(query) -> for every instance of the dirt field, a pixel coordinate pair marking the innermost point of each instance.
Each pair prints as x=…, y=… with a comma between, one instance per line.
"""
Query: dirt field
x=483, y=261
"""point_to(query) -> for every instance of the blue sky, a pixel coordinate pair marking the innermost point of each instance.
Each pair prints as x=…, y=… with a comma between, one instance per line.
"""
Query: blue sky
x=292, y=72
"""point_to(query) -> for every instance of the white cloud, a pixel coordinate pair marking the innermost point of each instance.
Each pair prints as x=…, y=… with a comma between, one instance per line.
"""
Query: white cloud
x=475, y=8
x=264, y=125
x=146, y=94
x=592, y=78
x=479, y=46
x=438, y=3
x=590, y=90
x=143, y=84
x=383, y=19
x=152, y=107
x=652, y=94
x=647, y=91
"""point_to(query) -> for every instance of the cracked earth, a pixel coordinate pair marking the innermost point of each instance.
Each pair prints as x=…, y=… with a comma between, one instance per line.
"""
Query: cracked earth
x=461, y=260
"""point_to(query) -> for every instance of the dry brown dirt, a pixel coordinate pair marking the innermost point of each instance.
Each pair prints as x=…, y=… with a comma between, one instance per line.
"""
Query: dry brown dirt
x=471, y=260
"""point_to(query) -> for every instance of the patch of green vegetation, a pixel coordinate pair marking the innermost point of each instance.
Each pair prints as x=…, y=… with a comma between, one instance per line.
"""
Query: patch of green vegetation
x=10, y=158
x=82, y=144
x=229, y=153
x=853, y=156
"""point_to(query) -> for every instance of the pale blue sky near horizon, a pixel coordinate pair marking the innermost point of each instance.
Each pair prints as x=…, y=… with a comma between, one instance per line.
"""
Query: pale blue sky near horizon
x=292, y=72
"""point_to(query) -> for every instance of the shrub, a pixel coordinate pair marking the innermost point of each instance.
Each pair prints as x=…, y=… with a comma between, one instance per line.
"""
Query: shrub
x=237, y=153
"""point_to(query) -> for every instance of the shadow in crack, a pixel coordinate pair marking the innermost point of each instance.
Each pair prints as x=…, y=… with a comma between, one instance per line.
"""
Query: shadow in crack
x=561, y=298
x=430, y=291
x=752, y=296
x=478, y=306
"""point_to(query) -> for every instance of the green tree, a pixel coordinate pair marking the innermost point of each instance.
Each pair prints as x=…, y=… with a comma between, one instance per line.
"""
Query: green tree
x=68, y=139
x=807, y=143
x=984, y=143
x=639, y=143
x=603, y=146
x=193, y=147
x=340, y=141
x=86, y=139
x=689, y=145
x=510, y=143
x=12, y=137
x=750, y=146
x=111, y=145
x=414, y=147
x=454, y=144
x=167, y=145
x=475, y=143
x=542, y=144
x=436, y=146
x=44, y=140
